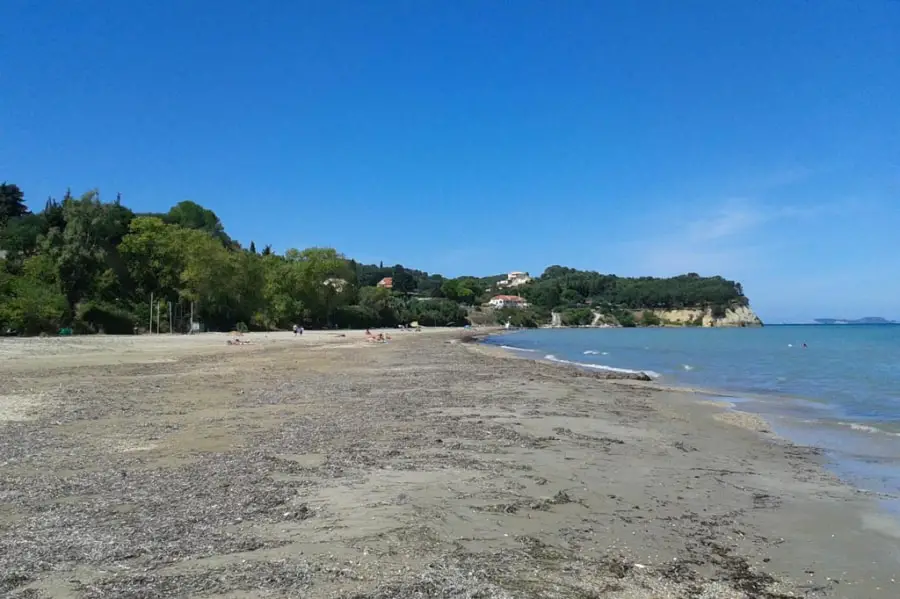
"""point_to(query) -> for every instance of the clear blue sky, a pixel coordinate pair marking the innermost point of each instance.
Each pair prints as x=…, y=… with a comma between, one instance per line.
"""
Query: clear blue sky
x=758, y=139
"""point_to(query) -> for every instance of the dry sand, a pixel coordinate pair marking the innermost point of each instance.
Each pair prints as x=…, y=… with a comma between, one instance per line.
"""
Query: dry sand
x=323, y=466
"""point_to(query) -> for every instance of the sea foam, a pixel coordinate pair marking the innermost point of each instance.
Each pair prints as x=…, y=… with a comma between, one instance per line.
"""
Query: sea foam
x=865, y=428
x=510, y=347
x=552, y=358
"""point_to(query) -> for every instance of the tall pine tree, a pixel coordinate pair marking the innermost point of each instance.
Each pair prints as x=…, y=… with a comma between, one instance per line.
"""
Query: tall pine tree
x=12, y=202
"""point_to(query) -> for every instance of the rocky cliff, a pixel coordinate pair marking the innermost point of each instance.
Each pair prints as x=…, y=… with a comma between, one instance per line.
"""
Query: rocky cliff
x=739, y=316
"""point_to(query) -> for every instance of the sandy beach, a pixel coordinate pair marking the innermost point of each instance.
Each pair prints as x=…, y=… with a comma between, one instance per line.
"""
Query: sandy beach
x=326, y=466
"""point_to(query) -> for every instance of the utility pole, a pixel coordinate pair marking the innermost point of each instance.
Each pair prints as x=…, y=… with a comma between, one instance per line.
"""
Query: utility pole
x=151, y=312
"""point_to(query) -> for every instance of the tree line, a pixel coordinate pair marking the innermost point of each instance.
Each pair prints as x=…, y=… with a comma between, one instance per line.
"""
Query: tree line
x=91, y=265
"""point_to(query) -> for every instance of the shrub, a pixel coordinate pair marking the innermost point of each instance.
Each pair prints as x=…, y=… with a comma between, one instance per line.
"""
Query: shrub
x=577, y=317
x=626, y=319
x=355, y=317
x=650, y=319
x=437, y=312
x=30, y=304
x=95, y=317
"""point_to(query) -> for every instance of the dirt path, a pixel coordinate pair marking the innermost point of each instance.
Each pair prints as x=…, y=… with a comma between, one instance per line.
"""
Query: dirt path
x=418, y=468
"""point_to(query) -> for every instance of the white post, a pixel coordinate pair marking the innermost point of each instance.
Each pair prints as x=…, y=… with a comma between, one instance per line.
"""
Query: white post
x=151, y=312
x=170, y=318
x=158, y=307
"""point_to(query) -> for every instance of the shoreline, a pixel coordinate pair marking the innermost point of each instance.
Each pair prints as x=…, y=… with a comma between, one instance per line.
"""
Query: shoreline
x=711, y=397
x=734, y=405
x=421, y=467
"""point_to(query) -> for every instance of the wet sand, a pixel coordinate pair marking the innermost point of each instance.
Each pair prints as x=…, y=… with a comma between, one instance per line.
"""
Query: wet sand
x=324, y=466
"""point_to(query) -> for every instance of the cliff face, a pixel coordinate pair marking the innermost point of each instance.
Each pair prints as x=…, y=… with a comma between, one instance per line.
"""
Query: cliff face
x=740, y=316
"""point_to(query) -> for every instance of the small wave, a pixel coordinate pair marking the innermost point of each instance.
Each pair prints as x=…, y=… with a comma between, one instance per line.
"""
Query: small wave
x=591, y=352
x=552, y=358
x=865, y=428
x=510, y=347
x=687, y=366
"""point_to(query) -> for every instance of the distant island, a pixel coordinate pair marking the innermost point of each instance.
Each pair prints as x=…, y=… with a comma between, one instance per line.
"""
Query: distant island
x=866, y=320
x=83, y=265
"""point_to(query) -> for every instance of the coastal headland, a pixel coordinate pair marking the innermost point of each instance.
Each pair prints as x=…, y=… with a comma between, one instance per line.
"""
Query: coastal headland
x=326, y=465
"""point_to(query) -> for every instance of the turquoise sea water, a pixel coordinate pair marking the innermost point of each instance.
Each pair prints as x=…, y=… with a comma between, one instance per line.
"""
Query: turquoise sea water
x=840, y=392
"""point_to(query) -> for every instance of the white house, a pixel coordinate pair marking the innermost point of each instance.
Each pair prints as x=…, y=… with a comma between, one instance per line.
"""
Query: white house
x=508, y=301
x=514, y=279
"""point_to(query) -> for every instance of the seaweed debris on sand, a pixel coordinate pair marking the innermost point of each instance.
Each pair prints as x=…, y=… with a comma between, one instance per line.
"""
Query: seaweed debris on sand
x=426, y=469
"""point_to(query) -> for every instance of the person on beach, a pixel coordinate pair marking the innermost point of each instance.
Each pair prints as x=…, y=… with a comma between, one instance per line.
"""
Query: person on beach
x=295, y=330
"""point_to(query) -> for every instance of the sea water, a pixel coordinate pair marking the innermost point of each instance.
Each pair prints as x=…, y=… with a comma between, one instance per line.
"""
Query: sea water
x=836, y=387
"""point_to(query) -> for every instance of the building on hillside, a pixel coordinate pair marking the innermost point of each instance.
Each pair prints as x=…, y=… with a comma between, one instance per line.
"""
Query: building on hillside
x=514, y=279
x=507, y=301
x=387, y=283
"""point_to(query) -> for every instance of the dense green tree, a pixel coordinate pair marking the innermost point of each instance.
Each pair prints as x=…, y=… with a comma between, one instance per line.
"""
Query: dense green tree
x=576, y=317
x=85, y=250
x=387, y=306
x=467, y=290
x=12, y=202
x=21, y=234
x=403, y=281
x=626, y=319
x=32, y=303
x=437, y=312
x=192, y=215
x=323, y=274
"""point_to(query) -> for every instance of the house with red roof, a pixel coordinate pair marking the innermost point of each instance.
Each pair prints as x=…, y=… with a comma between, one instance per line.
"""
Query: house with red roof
x=387, y=282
